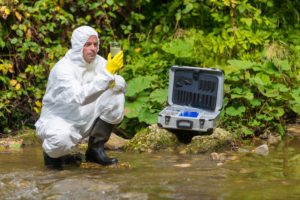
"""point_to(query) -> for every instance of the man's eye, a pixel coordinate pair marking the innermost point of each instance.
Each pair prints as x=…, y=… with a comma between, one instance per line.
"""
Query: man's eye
x=89, y=44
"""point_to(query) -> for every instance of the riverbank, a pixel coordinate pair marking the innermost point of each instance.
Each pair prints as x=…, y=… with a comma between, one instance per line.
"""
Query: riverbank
x=153, y=139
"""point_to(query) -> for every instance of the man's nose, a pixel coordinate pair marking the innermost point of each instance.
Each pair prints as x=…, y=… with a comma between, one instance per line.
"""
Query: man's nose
x=94, y=47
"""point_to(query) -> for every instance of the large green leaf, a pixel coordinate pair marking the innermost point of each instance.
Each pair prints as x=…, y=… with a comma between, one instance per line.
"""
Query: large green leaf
x=283, y=65
x=232, y=111
x=269, y=68
x=179, y=48
x=148, y=117
x=247, y=131
x=295, y=104
x=262, y=79
x=159, y=95
x=268, y=92
x=242, y=93
x=138, y=84
x=280, y=129
x=296, y=94
x=132, y=109
x=281, y=87
x=277, y=112
x=264, y=117
x=241, y=64
x=255, y=102
x=296, y=107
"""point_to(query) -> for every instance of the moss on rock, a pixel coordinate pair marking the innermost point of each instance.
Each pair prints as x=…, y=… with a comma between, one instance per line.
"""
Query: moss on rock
x=209, y=143
x=152, y=139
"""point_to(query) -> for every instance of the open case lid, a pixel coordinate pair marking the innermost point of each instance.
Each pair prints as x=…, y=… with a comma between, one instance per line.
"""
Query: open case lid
x=196, y=87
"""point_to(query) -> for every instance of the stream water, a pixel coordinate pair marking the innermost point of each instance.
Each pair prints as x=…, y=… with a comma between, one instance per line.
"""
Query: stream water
x=157, y=176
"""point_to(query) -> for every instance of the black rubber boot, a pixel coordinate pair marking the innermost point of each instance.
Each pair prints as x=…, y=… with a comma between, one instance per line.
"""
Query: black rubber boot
x=53, y=163
x=72, y=159
x=95, y=153
x=99, y=134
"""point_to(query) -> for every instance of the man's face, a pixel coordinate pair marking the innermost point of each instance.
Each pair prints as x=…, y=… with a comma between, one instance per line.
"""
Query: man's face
x=90, y=49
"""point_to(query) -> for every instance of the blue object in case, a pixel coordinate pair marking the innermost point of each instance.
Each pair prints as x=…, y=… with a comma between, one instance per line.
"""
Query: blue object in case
x=189, y=114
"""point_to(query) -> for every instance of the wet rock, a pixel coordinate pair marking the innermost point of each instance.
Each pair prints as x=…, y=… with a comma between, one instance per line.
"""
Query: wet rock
x=115, y=142
x=245, y=171
x=183, y=165
x=243, y=150
x=264, y=136
x=22, y=138
x=18, y=187
x=294, y=129
x=218, y=156
x=219, y=139
x=79, y=188
x=8, y=145
x=214, y=156
x=262, y=150
x=274, y=139
x=152, y=139
x=134, y=195
x=223, y=157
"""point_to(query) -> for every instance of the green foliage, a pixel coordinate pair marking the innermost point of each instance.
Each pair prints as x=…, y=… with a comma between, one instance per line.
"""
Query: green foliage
x=256, y=43
x=262, y=91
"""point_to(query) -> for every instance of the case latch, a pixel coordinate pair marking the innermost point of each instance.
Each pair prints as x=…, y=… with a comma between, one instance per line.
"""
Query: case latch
x=167, y=119
x=202, y=122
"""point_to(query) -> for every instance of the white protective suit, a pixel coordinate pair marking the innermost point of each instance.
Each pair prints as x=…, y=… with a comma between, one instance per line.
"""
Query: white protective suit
x=77, y=93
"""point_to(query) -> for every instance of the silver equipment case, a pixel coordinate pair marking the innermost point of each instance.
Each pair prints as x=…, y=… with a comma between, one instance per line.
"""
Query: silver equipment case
x=195, y=97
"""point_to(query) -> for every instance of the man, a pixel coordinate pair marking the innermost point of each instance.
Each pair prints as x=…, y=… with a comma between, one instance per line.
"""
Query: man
x=84, y=97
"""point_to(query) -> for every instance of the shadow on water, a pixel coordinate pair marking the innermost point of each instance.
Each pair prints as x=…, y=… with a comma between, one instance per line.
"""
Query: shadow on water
x=157, y=176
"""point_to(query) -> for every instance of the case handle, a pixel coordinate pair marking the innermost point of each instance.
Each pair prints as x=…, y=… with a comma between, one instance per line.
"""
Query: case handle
x=184, y=124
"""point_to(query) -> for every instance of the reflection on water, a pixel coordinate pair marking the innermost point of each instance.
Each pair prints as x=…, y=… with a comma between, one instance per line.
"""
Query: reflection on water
x=156, y=176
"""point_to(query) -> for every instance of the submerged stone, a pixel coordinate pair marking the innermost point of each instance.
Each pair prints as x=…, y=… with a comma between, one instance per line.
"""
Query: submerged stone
x=262, y=150
x=152, y=139
x=81, y=188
